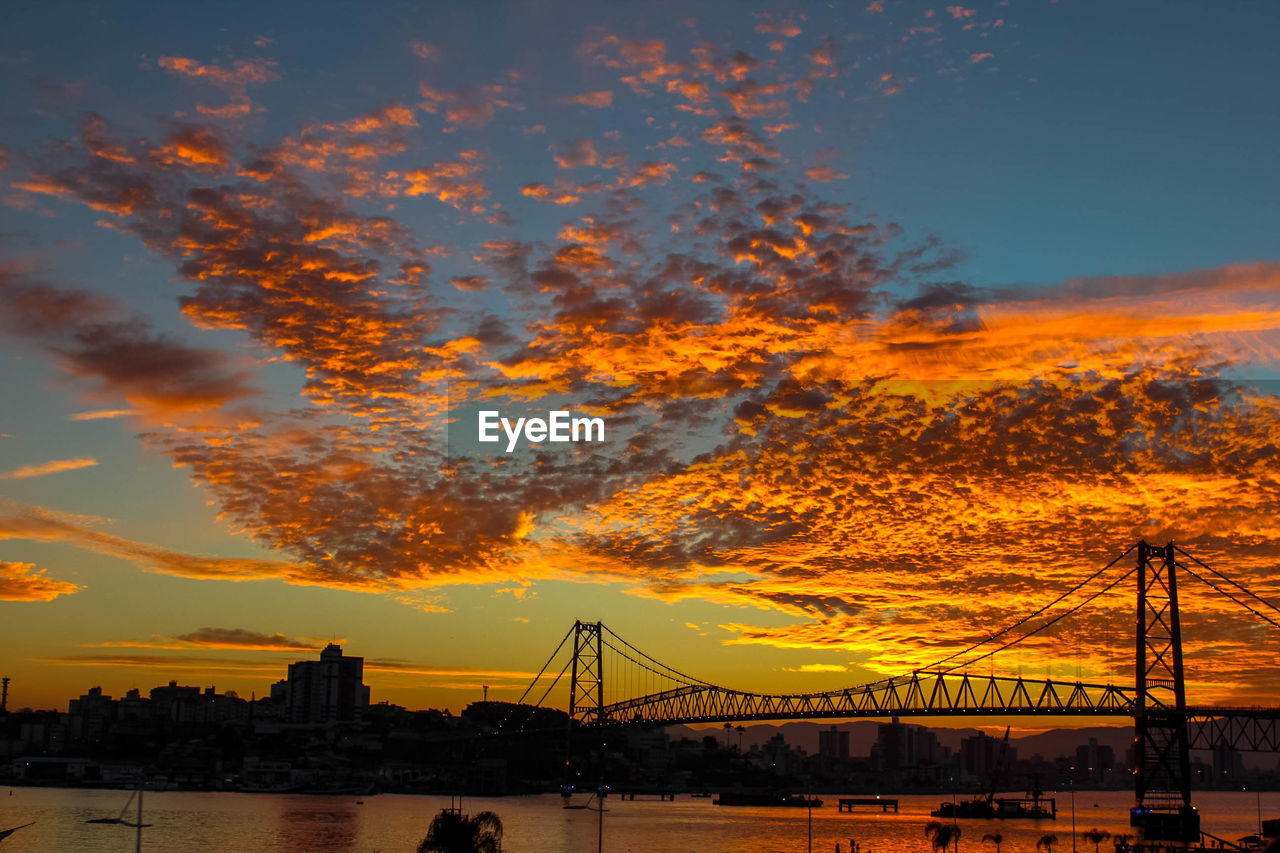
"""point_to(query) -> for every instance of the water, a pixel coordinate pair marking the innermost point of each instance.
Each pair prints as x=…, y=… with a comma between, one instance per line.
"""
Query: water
x=196, y=821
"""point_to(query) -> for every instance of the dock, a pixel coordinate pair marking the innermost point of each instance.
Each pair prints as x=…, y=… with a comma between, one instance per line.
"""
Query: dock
x=884, y=803
x=646, y=794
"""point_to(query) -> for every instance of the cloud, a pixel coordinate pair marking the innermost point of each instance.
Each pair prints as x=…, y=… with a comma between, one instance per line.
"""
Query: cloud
x=811, y=417
x=225, y=638
x=576, y=154
x=235, y=80
x=119, y=358
x=595, y=100
x=24, y=582
x=53, y=466
x=103, y=414
x=823, y=174
x=422, y=50
x=18, y=521
x=469, y=106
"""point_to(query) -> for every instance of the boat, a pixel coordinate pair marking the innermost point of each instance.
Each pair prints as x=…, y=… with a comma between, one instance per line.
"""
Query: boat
x=734, y=798
x=991, y=807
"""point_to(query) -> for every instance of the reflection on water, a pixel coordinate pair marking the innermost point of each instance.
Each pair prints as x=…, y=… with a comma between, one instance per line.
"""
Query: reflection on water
x=190, y=821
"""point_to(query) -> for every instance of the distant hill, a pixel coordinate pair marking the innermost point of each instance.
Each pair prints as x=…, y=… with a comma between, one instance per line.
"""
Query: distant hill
x=862, y=733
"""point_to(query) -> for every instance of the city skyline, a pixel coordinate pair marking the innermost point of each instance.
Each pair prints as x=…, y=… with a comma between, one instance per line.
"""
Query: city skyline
x=898, y=319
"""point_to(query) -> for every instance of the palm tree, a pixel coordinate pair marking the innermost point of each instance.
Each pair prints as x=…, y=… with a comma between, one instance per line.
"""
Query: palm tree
x=942, y=834
x=1046, y=842
x=995, y=838
x=453, y=832
x=1097, y=836
x=1122, y=841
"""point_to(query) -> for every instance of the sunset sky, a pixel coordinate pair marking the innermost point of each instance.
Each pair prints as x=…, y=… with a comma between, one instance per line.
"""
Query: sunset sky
x=901, y=317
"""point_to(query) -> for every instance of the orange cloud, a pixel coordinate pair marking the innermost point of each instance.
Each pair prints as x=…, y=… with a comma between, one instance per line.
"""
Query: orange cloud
x=823, y=174
x=53, y=466
x=470, y=106
x=24, y=582
x=802, y=417
x=225, y=638
x=103, y=414
x=595, y=100
x=235, y=80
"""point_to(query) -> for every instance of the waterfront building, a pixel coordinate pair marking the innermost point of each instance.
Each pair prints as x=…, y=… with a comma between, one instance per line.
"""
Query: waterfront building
x=90, y=716
x=330, y=690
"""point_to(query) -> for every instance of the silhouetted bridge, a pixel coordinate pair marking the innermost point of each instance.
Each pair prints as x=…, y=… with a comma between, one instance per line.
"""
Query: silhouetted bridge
x=1166, y=727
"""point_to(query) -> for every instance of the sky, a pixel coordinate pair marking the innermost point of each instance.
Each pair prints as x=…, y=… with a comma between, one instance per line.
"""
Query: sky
x=901, y=318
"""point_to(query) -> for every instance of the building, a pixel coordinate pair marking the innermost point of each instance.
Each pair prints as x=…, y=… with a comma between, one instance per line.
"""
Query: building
x=908, y=748
x=834, y=744
x=1228, y=766
x=1094, y=762
x=330, y=690
x=91, y=715
x=982, y=756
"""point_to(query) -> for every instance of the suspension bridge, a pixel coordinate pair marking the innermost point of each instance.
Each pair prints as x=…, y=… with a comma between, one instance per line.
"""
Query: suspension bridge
x=611, y=682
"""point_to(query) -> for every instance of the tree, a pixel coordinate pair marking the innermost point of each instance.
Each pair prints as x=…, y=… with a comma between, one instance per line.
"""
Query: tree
x=1046, y=842
x=453, y=832
x=995, y=838
x=943, y=835
x=1097, y=836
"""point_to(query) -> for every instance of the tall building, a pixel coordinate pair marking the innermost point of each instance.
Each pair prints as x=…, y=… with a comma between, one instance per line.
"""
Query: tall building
x=330, y=690
x=1094, y=761
x=834, y=743
x=90, y=716
x=900, y=746
x=982, y=755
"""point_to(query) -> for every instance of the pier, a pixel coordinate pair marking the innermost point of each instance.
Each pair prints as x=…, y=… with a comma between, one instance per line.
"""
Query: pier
x=885, y=803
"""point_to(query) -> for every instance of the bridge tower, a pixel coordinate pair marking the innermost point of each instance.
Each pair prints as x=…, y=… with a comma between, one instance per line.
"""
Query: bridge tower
x=586, y=684
x=1162, y=782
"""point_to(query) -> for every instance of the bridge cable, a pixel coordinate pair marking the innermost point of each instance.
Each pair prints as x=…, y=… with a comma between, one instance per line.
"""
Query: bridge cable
x=1029, y=617
x=689, y=679
x=645, y=666
x=1210, y=583
x=563, y=640
x=546, y=692
x=1052, y=621
x=1231, y=581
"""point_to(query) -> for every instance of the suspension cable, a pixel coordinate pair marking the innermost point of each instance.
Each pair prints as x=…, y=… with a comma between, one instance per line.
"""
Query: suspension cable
x=1231, y=581
x=641, y=664
x=563, y=640
x=1210, y=583
x=1029, y=617
x=1052, y=621
x=688, y=678
x=546, y=692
